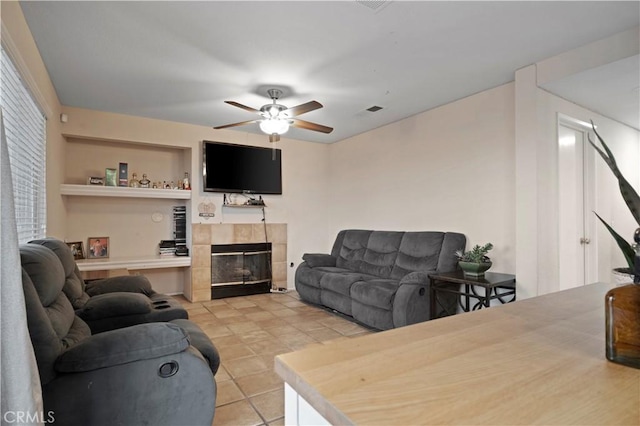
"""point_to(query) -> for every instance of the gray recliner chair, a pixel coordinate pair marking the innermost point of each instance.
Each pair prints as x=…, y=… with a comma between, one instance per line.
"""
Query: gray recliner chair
x=143, y=374
x=111, y=303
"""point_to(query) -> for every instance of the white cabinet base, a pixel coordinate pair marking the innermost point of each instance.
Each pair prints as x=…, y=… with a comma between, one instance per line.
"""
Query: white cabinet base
x=297, y=411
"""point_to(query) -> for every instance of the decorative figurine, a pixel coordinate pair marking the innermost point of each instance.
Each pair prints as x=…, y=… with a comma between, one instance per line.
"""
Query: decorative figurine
x=185, y=181
x=134, y=183
x=144, y=182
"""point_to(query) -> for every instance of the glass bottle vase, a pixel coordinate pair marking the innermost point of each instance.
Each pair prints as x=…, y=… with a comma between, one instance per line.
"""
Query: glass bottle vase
x=623, y=325
x=145, y=182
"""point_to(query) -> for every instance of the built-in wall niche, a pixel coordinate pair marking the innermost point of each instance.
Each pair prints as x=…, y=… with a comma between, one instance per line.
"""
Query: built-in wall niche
x=135, y=219
x=90, y=157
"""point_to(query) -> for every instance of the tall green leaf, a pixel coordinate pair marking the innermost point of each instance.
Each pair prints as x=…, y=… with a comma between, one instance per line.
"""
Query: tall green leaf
x=630, y=196
x=628, y=251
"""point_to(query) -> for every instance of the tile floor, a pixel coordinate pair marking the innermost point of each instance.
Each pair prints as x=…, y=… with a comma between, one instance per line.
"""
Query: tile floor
x=249, y=331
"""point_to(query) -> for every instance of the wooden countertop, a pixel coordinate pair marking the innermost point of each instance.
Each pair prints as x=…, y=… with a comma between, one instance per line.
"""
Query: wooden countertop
x=536, y=361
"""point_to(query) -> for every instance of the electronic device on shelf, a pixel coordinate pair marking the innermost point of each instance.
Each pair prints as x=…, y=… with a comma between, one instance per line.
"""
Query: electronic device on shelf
x=180, y=230
x=245, y=169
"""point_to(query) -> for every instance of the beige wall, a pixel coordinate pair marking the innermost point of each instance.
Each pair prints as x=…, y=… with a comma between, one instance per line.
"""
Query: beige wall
x=483, y=165
x=18, y=42
x=302, y=206
x=447, y=169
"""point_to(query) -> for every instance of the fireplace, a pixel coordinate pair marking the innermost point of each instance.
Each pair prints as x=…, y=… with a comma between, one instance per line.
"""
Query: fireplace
x=240, y=269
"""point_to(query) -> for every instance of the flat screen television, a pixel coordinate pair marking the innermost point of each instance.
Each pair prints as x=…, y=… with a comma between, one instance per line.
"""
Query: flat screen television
x=241, y=169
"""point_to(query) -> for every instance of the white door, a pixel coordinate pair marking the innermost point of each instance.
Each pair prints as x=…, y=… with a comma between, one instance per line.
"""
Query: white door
x=577, y=243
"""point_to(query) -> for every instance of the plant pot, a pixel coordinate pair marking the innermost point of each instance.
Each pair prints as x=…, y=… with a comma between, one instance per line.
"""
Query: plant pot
x=473, y=269
x=622, y=276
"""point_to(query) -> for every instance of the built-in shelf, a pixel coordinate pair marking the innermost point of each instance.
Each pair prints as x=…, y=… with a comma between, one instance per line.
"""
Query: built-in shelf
x=119, y=191
x=244, y=206
x=150, y=262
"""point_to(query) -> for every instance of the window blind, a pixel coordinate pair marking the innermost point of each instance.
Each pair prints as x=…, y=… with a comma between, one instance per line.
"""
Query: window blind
x=25, y=130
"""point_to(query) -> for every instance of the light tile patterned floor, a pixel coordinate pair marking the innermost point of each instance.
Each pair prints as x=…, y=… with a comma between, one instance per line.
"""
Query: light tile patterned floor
x=249, y=331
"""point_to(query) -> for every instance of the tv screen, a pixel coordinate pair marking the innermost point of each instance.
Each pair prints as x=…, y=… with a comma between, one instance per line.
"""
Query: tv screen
x=239, y=168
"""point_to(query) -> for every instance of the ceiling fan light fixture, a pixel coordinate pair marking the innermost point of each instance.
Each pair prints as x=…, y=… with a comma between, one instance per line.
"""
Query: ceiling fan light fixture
x=274, y=126
x=274, y=111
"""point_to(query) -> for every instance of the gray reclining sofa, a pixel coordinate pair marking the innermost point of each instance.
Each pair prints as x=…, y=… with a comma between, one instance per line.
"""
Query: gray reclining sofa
x=380, y=278
x=110, y=303
x=159, y=373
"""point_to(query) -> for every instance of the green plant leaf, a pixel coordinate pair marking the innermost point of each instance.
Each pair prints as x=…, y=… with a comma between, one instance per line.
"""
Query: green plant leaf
x=630, y=196
x=628, y=251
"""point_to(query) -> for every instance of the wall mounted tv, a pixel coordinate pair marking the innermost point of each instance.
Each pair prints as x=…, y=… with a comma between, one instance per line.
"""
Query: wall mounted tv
x=241, y=169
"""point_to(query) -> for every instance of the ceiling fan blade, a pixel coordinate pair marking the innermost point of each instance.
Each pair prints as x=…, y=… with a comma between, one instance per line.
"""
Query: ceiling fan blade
x=303, y=108
x=244, y=107
x=296, y=122
x=242, y=123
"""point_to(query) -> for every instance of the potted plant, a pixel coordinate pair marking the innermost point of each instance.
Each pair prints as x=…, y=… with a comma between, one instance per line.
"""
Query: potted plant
x=475, y=262
x=630, y=197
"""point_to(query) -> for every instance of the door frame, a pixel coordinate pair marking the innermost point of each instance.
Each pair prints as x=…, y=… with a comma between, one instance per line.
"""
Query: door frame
x=589, y=196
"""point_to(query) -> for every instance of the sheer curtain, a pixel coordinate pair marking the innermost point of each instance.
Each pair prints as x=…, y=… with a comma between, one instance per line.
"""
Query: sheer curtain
x=21, y=392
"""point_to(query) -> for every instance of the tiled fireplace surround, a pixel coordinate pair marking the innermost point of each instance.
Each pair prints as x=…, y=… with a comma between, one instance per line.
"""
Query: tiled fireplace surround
x=205, y=235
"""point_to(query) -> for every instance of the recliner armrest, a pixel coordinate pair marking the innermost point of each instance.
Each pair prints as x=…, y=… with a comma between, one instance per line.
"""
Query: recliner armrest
x=125, y=345
x=127, y=284
x=114, y=305
x=315, y=260
x=416, y=277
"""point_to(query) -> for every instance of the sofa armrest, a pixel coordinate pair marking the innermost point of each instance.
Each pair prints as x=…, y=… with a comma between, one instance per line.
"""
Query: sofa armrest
x=114, y=305
x=412, y=302
x=417, y=277
x=135, y=386
x=127, y=284
x=315, y=260
x=125, y=345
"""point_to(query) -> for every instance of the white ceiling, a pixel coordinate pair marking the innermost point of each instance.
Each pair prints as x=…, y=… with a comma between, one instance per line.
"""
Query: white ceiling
x=181, y=60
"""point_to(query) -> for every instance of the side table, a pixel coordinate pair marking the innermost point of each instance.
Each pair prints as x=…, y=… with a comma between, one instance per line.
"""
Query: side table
x=496, y=286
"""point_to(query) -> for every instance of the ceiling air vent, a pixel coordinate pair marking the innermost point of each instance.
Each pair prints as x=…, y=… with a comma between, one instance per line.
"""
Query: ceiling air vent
x=374, y=108
x=373, y=4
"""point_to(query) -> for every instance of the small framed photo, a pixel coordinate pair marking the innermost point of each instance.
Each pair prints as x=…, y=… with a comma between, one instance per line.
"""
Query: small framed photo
x=110, y=177
x=77, y=249
x=98, y=248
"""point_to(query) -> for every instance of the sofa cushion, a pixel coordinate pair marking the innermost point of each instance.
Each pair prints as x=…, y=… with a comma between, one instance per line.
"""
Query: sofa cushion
x=380, y=254
x=340, y=283
x=74, y=286
x=419, y=251
x=352, y=249
x=312, y=276
x=375, y=292
x=45, y=270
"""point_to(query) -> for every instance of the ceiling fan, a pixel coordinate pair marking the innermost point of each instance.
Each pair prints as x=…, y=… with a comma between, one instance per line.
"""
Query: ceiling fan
x=276, y=119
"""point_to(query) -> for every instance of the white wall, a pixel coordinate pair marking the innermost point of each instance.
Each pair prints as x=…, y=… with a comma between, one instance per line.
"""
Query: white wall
x=447, y=169
x=624, y=142
x=536, y=165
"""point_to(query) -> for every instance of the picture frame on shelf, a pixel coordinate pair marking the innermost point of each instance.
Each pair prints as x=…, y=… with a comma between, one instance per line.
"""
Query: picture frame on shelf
x=98, y=248
x=110, y=177
x=77, y=249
